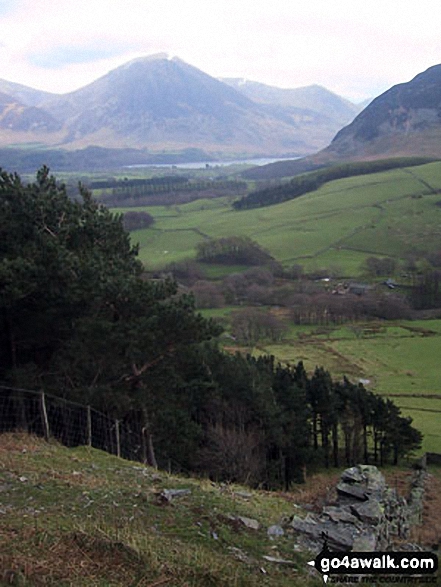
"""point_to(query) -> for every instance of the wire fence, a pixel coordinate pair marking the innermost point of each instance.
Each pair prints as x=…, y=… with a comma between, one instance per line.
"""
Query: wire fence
x=70, y=423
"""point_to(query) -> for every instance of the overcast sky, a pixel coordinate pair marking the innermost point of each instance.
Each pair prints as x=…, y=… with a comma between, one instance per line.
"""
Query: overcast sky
x=356, y=48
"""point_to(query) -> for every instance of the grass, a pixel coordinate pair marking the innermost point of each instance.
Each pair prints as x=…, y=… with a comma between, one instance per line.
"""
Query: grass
x=393, y=213
x=80, y=517
x=399, y=359
x=85, y=518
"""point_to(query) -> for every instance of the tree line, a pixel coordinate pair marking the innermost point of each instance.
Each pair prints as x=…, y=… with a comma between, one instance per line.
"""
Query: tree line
x=166, y=190
x=80, y=320
x=308, y=182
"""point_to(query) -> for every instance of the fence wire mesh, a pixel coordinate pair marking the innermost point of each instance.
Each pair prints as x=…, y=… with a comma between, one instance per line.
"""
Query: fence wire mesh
x=70, y=423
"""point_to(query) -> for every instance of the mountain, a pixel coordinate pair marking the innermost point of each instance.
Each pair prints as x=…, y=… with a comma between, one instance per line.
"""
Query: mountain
x=18, y=117
x=166, y=105
x=24, y=94
x=403, y=121
x=309, y=98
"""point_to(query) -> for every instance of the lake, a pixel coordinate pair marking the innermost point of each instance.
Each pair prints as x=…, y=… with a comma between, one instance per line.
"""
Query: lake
x=214, y=164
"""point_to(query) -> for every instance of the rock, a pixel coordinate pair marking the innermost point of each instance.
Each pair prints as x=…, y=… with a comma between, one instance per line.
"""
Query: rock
x=340, y=538
x=352, y=475
x=243, y=494
x=369, y=515
x=352, y=491
x=168, y=495
x=367, y=542
x=275, y=531
x=340, y=514
x=370, y=512
x=249, y=522
x=374, y=479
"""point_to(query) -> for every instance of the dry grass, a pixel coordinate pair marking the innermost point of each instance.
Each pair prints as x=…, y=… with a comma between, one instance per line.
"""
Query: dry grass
x=318, y=491
x=19, y=442
x=428, y=534
x=70, y=559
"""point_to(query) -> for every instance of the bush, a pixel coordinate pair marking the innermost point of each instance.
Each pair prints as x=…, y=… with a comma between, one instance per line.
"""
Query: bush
x=137, y=220
x=232, y=250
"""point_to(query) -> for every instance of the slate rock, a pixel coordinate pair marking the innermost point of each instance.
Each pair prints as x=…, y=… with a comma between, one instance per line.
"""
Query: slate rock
x=352, y=475
x=352, y=491
x=369, y=512
x=249, y=522
x=374, y=479
x=169, y=494
x=275, y=531
x=340, y=514
x=366, y=542
x=341, y=538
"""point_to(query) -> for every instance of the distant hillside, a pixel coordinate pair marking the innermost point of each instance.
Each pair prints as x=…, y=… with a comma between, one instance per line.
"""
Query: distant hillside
x=166, y=105
x=403, y=121
x=310, y=98
x=28, y=96
x=17, y=116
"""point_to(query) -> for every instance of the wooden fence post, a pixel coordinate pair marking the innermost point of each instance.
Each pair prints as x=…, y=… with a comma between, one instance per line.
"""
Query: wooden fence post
x=118, y=441
x=143, y=447
x=89, y=426
x=44, y=417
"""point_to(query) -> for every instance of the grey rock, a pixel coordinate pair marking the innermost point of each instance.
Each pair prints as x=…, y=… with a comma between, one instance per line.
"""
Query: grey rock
x=275, y=531
x=169, y=494
x=352, y=475
x=366, y=542
x=370, y=512
x=340, y=538
x=340, y=514
x=374, y=479
x=352, y=491
x=249, y=522
x=243, y=494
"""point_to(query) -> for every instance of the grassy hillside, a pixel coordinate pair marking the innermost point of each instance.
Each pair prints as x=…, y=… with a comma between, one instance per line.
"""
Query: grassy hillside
x=82, y=517
x=393, y=213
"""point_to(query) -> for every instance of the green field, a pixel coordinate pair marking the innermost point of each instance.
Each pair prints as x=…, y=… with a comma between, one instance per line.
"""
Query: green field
x=393, y=213
x=400, y=360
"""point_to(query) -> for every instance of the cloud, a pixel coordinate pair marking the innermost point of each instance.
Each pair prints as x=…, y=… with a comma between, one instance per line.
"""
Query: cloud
x=355, y=48
x=63, y=55
x=8, y=6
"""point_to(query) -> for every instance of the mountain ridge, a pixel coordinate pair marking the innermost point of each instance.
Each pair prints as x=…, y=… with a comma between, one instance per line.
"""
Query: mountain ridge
x=404, y=121
x=161, y=103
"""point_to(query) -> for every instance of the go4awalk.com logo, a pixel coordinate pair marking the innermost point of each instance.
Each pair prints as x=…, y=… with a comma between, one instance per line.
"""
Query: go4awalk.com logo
x=408, y=568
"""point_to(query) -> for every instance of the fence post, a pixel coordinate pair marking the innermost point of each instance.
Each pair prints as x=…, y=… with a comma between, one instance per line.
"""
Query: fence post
x=44, y=417
x=143, y=447
x=89, y=426
x=118, y=442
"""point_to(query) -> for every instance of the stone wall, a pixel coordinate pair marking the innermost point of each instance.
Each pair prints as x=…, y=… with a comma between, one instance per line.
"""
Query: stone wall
x=368, y=515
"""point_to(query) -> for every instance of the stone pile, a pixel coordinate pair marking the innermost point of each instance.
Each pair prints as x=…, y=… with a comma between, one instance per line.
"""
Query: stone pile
x=368, y=515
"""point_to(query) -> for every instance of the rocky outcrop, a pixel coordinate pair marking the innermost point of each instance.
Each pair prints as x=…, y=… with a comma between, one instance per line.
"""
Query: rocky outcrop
x=368, y=515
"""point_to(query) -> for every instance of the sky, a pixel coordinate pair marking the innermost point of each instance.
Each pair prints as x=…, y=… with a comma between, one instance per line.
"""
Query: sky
x=355, y=48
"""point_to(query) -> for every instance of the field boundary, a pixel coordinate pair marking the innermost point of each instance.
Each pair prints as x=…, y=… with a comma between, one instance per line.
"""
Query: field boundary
x=70, y=423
